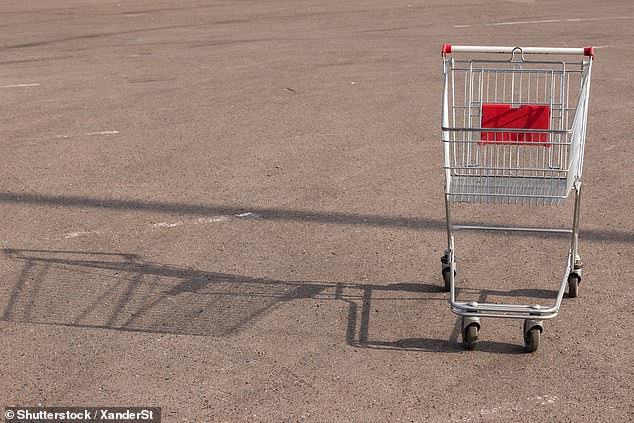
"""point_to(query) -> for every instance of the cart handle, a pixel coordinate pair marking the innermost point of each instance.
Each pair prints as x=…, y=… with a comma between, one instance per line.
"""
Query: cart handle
x=448, y=48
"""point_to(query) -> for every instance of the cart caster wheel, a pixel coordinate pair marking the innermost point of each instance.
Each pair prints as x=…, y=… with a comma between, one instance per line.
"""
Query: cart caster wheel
x=446, y=276
x=531, y=339
x=470, y=336
x=573, y=285
x=533, y=329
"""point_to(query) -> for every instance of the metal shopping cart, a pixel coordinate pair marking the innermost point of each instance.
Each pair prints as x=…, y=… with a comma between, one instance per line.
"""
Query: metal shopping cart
x=513, y=131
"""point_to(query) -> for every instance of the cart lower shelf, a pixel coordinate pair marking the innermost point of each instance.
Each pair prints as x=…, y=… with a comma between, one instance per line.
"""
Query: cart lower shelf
x=508, y=190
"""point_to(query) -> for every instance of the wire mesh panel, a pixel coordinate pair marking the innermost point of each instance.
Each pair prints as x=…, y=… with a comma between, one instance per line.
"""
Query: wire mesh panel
x=513, y=129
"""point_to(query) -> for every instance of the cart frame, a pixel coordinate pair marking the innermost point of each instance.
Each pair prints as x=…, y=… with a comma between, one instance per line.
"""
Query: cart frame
x=513, y=132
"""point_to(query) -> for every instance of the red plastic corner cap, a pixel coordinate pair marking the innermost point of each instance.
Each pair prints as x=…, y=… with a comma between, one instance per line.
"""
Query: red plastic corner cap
x=446, y=48
x=588, y=51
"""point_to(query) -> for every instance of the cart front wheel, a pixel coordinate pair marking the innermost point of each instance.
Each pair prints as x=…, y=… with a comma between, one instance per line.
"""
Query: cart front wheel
x=470, y=336
x=531, y=339
x=573, y=285
x=446, y=275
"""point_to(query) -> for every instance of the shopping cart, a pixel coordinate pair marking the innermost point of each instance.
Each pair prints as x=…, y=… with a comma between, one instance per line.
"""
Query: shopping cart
x=513, y=131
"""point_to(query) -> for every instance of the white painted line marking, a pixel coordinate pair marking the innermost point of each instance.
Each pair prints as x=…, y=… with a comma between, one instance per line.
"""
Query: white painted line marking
x=168, y=224
x=103, y=133
x=19, y=85
x=199, y=221
x=204, y=220
x=510, y=23
x=542, y=21
x=526, y=22
x=80, y=233
x=87, y=134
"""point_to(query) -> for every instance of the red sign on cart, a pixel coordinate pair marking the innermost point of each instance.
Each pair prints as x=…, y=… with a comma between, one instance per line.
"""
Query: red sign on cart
x=500, y=116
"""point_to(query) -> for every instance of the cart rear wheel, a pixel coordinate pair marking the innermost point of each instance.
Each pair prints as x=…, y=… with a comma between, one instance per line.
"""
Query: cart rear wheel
x=470, y=336
x=446, y=275
x=531, y=339
x=573, y=285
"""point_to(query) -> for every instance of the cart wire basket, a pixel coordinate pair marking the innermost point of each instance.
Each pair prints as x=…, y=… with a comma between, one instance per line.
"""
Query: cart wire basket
x=513, y=131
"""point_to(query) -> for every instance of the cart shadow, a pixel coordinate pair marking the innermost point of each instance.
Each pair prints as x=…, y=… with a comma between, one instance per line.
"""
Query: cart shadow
x=451, y=344
x=546, y=294
x=446, y=345
x=125, y=292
